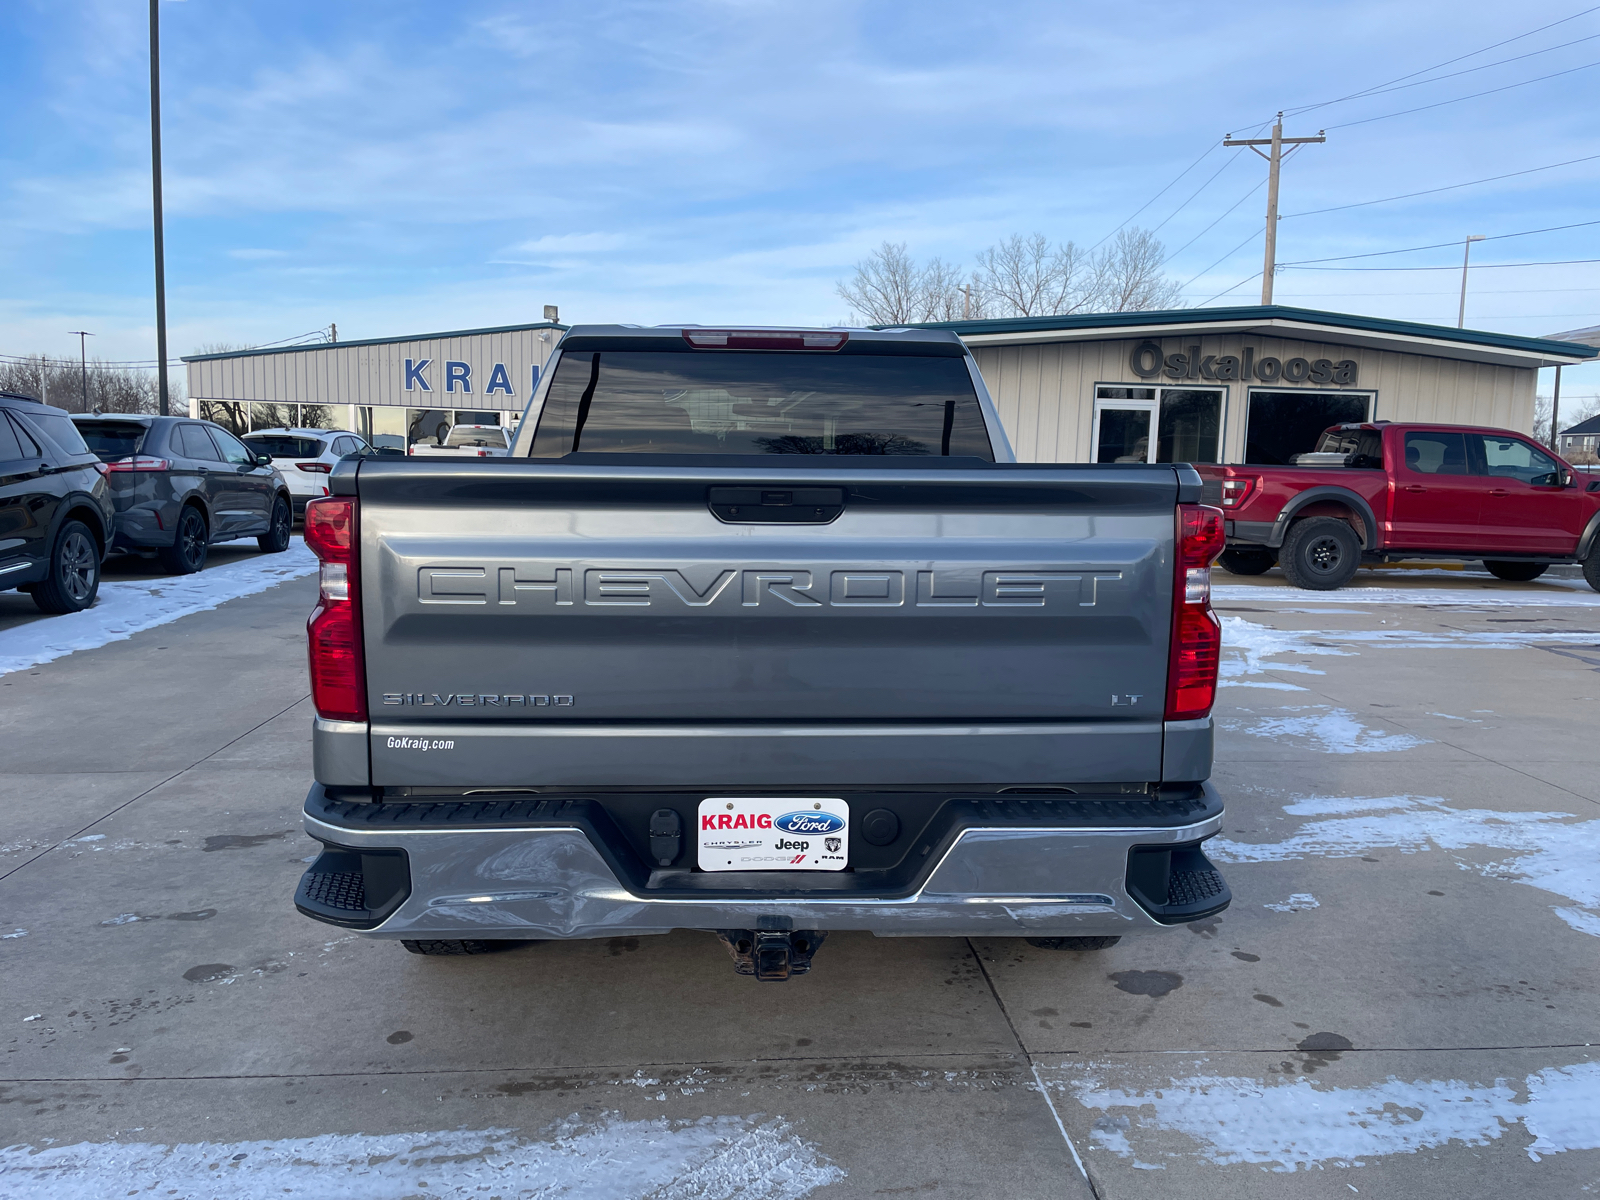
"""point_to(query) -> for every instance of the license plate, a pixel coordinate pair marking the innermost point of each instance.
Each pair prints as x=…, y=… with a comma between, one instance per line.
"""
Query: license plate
x=763, y=833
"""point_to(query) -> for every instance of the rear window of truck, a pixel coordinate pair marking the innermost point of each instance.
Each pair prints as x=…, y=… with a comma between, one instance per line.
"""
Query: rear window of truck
x=752, y=402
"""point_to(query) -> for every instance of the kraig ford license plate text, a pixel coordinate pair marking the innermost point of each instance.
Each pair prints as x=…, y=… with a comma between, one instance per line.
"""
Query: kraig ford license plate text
x=766, y=833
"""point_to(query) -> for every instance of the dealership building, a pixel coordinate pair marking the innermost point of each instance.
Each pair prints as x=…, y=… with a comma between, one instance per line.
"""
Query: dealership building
x=1247, y=384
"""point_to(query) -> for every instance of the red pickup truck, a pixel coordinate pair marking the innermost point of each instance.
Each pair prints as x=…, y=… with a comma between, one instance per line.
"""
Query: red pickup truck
x=1380, y=492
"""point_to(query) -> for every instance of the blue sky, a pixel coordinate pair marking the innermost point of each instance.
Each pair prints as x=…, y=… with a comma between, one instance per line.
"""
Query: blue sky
x=400, y=167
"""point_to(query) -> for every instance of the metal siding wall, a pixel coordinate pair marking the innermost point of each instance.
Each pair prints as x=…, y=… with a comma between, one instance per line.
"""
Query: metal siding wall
x=375, y=375
x=1045, y=391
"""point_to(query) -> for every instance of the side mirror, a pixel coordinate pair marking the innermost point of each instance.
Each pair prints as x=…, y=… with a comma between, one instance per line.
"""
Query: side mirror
x=1566, y=479
x=263, y=460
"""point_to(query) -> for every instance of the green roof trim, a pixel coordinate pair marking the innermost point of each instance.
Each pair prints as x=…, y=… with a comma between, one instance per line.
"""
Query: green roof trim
x=419, y=337
x=1263, y=312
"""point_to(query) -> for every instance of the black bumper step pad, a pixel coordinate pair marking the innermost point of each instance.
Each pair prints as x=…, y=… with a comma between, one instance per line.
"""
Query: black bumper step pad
x=357, y=889
x=1176, y=884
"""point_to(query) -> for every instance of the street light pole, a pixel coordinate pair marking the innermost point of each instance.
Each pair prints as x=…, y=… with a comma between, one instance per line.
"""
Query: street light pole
x=155, y=194
x=1466, y=253
x=83, y=360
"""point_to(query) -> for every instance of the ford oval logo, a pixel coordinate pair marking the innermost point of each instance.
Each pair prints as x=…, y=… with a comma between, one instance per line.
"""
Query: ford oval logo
x=809, y=822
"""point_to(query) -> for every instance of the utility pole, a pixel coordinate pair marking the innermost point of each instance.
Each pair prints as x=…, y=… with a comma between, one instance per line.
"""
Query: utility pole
x=1466, y=253
x=155, y=194
x=83, y=359
x=966, y=301
x=1274, y=160
x=333, y=332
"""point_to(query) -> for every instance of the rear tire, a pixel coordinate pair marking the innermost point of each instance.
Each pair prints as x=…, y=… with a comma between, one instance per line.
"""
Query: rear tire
x=447, y=947
x=1073, y=943
x=1591, y=568
x=1248, y=560
x=276, y=539
x=74, y=579
x=187, y=554
x=1320, y=554
x=1515, y=572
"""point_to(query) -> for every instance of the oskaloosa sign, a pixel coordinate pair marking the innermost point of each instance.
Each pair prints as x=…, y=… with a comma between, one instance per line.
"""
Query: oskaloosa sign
x=1148, y=361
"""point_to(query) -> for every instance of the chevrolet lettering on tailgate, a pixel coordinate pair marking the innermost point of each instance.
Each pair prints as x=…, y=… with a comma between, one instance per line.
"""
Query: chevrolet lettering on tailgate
x=563, y=587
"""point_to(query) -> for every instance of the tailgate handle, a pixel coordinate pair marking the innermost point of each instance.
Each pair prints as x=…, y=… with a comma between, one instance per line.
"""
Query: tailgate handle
x=775, y=505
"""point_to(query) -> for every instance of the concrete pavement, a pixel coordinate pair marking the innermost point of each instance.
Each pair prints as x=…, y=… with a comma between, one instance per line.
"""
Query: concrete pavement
x=1400, y=1001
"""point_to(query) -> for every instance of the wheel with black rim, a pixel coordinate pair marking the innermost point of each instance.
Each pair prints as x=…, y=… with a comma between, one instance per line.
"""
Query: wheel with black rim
x=74, y=578
x=1073, y=943
x=450, y=948
x=187, y=554
x=1515, y=572
x=1320, y=554
x=1248, y=560
x=1591, y=567
x=276, y=539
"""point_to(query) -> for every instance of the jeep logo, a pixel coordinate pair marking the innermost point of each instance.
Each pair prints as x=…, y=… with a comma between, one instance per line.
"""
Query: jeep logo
x=607, y=587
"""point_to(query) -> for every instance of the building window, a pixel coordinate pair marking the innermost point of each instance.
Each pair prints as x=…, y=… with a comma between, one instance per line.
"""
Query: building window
x=1283, y=424
x=1183, y=424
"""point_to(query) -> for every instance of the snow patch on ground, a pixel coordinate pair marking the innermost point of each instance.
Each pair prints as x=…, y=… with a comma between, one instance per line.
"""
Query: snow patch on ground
x=1304, y=1124
x=1250, y=649
x=1551, y=851
x=130, y=606
x=1299, y=902
x=1552, y=593
x=1331, y=730
x=714, y=1158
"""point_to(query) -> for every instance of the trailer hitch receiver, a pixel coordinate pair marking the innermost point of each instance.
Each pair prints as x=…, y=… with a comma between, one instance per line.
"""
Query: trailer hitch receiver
x=771, y=954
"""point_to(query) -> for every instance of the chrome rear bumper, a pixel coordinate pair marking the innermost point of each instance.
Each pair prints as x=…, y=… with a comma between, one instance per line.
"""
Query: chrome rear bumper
x=551, y=882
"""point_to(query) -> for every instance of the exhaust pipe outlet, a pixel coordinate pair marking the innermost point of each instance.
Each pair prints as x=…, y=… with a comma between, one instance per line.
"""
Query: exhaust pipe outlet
x=771, y=954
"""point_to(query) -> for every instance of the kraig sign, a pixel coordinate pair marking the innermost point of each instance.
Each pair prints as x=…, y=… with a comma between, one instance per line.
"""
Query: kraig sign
x=1148, y=361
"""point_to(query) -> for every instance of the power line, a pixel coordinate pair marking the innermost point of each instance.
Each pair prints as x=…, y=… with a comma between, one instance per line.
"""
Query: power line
x=1225, y=291
x=1227, y=256
x=1556, y=262
x=1156, y=197
x=1446, y=63
x=1196, y=192
x=1214, y=224
x=1500, y=62
x=1458, y=99
x=1447, y=188
x=1435, y=245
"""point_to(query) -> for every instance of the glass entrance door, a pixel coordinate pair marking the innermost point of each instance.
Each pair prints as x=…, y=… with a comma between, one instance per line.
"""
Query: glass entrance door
x=1124, y=430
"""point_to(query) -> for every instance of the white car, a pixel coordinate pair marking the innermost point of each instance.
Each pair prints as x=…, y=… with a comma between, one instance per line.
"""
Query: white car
x=467, y=441
x=306, y=457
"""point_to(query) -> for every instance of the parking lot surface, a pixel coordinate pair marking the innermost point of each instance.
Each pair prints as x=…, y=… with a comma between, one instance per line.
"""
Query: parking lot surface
x=1400, y=1002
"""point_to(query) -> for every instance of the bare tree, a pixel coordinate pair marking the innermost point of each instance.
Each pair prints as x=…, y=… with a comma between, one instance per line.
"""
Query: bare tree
x=1127, y=275
x=1018, y=277
x=887, y=287
x=1026, y=277
x=61, y=382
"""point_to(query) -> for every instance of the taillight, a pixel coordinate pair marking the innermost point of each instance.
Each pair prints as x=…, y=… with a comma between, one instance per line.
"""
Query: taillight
x=1235, y=491
x=338, y=675
x=765, y=339
x=100, y=468
x=1196, y=635
x=321, y=467
x=140, y=462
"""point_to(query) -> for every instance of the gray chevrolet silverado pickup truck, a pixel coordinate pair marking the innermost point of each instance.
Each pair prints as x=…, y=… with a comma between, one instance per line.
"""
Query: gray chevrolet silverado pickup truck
x=763, y=633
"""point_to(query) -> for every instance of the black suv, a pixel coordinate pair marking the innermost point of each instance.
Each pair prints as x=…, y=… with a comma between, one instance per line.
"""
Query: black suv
x=56, y=513
x=180, y=485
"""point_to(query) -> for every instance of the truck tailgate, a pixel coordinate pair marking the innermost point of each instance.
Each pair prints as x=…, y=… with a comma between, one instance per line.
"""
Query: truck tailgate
x=558, y=624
